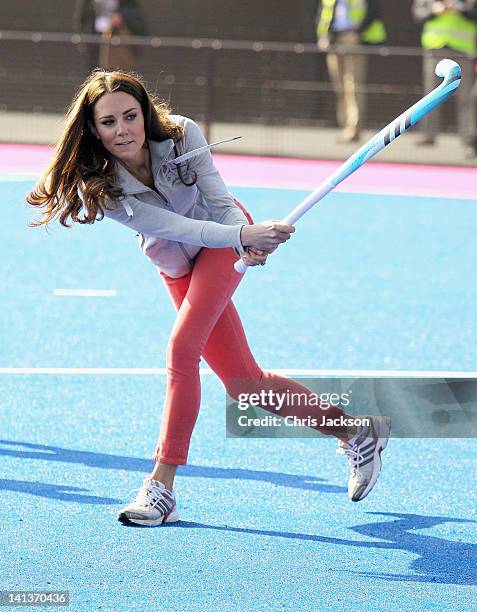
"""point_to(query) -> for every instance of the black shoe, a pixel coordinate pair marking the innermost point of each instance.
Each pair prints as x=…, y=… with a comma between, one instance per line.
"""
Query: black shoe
x=426, y=142
x=348, y=138
x=470, y=152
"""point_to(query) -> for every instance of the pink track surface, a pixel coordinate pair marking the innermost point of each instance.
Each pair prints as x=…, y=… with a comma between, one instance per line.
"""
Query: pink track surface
x=252, y=171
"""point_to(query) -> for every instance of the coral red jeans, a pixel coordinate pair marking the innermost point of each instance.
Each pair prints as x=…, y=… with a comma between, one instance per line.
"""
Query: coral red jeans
x=208, y=325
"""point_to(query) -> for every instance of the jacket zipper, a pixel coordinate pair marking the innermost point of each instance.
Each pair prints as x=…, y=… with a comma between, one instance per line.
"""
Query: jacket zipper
x=201, y=205
x=185, y=253
x=161, y=195
x=166, y=202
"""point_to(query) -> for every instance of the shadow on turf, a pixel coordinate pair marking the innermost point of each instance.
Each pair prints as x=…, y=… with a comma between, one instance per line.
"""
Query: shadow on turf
x=28, y=450
x=439, y=560
x=53, y=491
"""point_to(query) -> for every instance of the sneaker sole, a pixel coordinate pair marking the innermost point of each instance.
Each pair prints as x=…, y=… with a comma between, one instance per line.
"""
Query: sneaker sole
x=380, y=446
x=126, y=519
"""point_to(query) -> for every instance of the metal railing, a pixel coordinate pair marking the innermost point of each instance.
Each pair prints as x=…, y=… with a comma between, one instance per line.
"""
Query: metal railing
x=271, y=83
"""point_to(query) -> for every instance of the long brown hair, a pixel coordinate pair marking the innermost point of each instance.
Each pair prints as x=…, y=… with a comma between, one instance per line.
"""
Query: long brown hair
x=80, y=161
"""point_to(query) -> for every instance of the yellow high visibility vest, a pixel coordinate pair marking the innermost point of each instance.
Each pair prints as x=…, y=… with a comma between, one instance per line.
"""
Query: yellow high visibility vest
x=451, y=30
x=374, y=33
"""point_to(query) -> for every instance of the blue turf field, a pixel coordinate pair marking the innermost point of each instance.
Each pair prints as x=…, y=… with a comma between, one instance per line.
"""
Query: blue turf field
x=368, y=282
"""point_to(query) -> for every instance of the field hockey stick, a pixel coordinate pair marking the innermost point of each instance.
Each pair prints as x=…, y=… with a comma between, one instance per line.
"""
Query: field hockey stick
x=446, y=68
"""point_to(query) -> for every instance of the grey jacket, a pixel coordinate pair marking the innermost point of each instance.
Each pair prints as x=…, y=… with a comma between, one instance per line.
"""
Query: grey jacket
x=175, y=221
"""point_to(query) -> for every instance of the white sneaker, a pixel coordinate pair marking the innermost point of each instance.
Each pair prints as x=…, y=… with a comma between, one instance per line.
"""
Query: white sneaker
x=364, y=455
x=154, y=505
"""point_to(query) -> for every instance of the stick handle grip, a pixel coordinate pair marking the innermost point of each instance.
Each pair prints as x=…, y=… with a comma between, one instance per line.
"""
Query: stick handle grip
x=240, y=267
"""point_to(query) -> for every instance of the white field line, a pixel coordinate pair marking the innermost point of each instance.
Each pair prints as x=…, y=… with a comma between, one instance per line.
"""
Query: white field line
x=287, y=372
x=85, y=292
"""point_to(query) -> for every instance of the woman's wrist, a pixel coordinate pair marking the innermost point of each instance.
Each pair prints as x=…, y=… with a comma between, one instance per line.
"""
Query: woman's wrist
x=242, y=237
x=243, y=248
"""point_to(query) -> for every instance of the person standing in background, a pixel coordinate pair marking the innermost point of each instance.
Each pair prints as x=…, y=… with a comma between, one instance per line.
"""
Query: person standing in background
x=110, y=18
x=449, y=30
x=350, y=23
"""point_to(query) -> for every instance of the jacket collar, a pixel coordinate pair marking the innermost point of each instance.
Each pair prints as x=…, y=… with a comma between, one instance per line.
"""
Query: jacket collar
x=130, y=185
